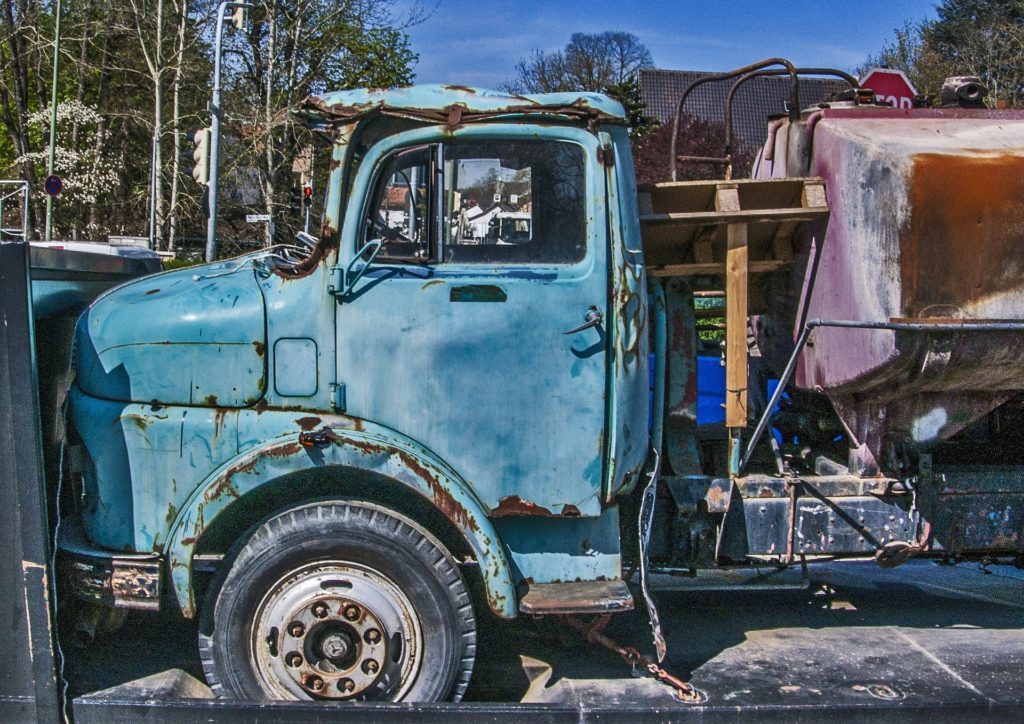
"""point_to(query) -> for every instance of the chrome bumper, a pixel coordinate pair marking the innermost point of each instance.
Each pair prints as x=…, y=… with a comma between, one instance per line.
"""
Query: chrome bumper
x=119, y=580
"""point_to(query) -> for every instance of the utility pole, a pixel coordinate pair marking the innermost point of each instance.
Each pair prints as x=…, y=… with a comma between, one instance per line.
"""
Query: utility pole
x=53, y=120
x=238, y=19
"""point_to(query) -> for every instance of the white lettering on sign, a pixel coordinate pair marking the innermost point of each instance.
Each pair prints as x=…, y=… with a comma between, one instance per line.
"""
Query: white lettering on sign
x=255, y=218
x=895, y=102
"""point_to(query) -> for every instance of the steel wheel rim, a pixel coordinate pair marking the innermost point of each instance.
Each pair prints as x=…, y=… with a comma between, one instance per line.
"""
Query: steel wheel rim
x=336, y=630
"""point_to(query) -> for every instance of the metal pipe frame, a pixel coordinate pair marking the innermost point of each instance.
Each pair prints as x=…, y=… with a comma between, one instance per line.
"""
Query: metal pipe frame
x=729, y=135
x=793, y=97
x=752, y=71
x=805, y=333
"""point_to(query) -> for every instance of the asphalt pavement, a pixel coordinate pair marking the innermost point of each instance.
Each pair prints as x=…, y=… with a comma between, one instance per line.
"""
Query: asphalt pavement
x=853, y=638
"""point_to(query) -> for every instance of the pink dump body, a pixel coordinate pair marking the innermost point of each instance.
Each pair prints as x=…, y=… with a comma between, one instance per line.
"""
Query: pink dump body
x=927, y=224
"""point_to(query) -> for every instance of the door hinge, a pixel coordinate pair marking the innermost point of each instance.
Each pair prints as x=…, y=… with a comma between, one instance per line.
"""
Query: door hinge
x=337, y=281
x=338, y=401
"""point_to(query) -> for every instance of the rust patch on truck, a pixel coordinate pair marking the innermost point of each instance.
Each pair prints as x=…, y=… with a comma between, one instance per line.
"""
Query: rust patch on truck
x=513, y=505
x=964, y=240
x=308, y=423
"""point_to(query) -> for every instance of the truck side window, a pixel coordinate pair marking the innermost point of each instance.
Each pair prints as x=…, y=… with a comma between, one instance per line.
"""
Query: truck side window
x=497, y=201
x=401, y=209
x=514, y=202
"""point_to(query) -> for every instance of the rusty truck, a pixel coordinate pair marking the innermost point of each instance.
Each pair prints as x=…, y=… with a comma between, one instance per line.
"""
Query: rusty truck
x=338, y=453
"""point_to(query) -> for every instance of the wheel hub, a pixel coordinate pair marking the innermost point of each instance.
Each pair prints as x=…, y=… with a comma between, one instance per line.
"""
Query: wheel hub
x=336, y=631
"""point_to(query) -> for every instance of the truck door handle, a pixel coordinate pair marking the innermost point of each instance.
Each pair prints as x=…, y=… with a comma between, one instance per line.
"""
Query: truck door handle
x=594, y=318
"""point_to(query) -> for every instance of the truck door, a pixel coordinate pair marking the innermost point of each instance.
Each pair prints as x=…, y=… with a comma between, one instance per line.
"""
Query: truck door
x=479, y=330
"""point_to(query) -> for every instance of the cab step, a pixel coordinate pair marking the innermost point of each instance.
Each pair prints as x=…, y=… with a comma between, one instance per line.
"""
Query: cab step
x=546, y=599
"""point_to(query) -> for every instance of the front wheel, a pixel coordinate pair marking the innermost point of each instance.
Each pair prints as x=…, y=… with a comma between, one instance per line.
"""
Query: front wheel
x=339, y=601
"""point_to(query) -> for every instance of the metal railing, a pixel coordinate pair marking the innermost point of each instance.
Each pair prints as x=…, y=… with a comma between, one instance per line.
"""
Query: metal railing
x=9, y=232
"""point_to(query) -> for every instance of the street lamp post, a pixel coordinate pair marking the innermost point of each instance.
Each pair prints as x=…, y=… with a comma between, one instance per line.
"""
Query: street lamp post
x=53, y=119
x=211, y=222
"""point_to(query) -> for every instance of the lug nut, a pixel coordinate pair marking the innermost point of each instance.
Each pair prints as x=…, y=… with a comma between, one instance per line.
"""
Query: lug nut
x=346, y=685
x=315, y=683
x=352, y=612
x=294, y=659
x=370, y=666
x=320, y=610
x=296, y=629
x=372, y=636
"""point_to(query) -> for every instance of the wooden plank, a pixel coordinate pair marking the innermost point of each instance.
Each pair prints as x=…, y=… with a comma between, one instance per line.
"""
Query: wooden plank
x=761, y=266
x=738, y=216
x=813, y=195
x=727, y=201
x=782, y=242
x=703, y=248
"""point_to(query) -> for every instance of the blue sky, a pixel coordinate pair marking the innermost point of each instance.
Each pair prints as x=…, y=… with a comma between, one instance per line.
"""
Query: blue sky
x=477, y=42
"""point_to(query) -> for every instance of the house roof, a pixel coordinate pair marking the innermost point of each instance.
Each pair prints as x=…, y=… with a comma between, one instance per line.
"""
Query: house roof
x=498, y=207
x=753, y=103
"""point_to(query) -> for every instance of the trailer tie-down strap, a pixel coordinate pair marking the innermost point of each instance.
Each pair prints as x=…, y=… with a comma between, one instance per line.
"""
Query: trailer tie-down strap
x=642, y=666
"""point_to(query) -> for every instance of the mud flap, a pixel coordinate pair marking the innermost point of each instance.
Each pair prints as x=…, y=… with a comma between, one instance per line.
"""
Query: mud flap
x=646, y=520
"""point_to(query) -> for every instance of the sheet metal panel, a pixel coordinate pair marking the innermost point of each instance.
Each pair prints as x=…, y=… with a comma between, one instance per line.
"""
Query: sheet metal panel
x=28, y=686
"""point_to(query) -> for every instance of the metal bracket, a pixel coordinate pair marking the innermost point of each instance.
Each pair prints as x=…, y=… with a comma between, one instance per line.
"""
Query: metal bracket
x=344, y=279
x=338, y=401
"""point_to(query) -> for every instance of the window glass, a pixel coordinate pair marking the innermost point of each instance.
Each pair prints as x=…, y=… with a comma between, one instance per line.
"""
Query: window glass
x=514, y=201
x=400, y=212
x=498, y=201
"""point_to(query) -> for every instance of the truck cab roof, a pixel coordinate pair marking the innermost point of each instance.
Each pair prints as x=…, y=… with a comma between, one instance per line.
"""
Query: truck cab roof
x=455, y=105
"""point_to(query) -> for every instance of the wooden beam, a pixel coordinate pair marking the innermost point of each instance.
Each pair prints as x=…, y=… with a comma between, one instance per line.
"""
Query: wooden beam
x=727, y=203
x=737, y=216
x=758, y=266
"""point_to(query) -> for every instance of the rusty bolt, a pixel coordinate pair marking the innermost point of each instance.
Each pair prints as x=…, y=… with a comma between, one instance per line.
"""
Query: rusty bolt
x=320, y=610
x=296, y=629
x=352, y=612
x=294, y=659
x=346, y=685
x=370, y=666
x=372, y=636
x=315, y=683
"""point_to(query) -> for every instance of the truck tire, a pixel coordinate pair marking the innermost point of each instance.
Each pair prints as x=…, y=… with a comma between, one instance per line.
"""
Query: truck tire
x=336, y=601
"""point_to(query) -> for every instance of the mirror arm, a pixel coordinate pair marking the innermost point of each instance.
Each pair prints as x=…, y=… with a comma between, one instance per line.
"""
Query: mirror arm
x=344, y=286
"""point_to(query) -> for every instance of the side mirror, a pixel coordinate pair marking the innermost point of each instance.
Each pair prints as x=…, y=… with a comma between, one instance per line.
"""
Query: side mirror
x=344, y=280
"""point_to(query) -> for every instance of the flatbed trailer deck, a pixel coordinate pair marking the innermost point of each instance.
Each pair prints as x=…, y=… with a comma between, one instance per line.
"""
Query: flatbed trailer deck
x=926, y=643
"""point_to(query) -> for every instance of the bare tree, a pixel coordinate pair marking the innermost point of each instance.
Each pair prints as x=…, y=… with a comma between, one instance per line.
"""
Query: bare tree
x=589, y=62
x=292, y=50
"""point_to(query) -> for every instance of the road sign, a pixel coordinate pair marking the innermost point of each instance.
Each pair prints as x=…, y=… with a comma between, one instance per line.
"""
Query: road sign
x=890, y=86
x=256, y=218
x=52, y=185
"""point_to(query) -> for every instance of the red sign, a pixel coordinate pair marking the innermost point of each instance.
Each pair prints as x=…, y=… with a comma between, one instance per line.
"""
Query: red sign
x=890, y=86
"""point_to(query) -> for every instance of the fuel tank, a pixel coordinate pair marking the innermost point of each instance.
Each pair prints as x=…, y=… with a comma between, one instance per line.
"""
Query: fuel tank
x=926, y=226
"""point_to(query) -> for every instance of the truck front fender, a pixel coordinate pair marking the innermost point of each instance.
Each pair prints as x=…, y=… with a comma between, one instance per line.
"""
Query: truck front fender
x=370, y=448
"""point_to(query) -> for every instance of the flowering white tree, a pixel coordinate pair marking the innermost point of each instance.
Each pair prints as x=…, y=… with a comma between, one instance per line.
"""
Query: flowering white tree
x=82, y=166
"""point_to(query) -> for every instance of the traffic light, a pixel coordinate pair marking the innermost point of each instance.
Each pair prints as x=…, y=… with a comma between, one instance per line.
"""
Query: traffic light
x=201, y=156
x=300, y=197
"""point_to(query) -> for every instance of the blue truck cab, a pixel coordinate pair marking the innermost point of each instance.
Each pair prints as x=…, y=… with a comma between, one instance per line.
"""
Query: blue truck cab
x=432, y=405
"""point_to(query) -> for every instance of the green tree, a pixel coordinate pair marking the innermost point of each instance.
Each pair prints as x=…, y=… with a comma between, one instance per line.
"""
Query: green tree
x=983, y=38
x=628, y=94
x=144, y=66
